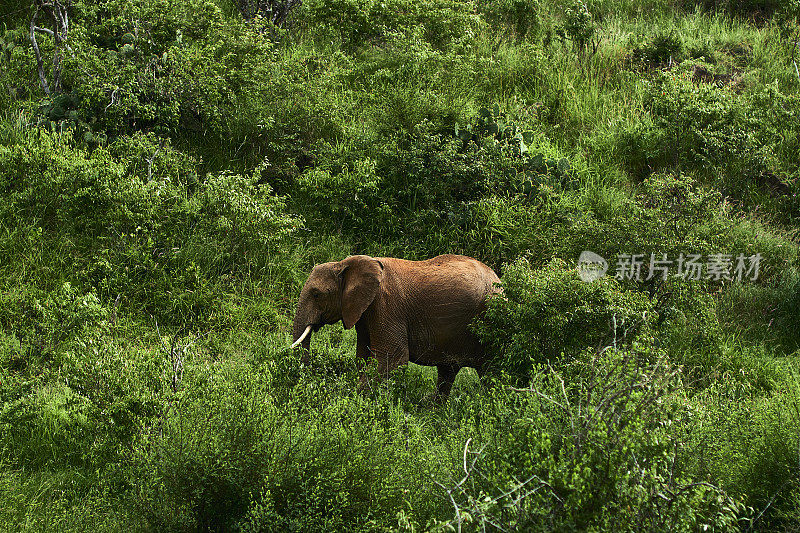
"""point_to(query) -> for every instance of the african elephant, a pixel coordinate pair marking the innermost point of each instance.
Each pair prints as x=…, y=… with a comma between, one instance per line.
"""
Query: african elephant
x=402, y=310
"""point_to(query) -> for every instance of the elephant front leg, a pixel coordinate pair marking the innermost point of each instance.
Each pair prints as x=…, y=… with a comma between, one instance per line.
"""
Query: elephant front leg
x=363, y=354
x=362, y=343
x=389, y=358
x=387, y=343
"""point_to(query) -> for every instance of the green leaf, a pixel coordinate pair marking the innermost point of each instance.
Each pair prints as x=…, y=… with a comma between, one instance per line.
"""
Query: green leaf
x=528, y=137
x=564, y=165
x=523, y=148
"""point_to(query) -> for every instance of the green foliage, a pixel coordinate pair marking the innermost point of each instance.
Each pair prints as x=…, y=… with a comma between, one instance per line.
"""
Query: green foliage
x=136, y=212
x=665, y=48
x=491, y=127
x=541, y=305
x=358, y=23
x=152, y=245
x=687, y=215
x=166, y=80
x=757, y=9
x=45, y=321
x=753, y=442
x=434, y=174
x=699, y=126
x=521, y=18
x=711, y=131
x=425, y=176
x=231, y=452
x=578, y=25
x=595, y=447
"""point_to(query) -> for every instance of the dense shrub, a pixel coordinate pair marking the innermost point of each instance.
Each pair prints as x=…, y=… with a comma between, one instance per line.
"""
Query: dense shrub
x=186, y=69
x=662, y=50
x=757, y=9
x=734, y=141
x=79, y=408
x=549, y=314
x=362, y=22
x=522, y=18
x=593, y=446
x=447, y=176
x=229, y=451
x=751, y=439
x=42, y=322
x=140, y=229
x=427, y=175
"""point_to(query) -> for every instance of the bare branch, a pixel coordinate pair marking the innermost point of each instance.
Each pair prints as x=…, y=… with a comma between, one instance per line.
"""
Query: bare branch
x=153, y=158
x=113, y=97
x=466, y=447
x=542, y=395
x=60, y=20
x=39, y=63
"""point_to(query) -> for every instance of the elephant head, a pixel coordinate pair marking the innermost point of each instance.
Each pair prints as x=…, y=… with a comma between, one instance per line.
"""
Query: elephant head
x=336, y=291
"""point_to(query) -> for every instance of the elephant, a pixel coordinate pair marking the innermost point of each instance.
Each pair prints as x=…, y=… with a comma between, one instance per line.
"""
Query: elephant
x=416, y=311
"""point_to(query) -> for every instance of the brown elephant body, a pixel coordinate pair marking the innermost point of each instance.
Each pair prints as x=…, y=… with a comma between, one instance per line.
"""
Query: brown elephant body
x=417, y=311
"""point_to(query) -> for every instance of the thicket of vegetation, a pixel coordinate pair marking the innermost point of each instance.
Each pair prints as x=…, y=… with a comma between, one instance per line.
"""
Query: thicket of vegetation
x=170, y=172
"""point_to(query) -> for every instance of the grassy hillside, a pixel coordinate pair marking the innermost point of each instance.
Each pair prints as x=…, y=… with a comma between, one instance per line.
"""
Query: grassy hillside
x=171, y=171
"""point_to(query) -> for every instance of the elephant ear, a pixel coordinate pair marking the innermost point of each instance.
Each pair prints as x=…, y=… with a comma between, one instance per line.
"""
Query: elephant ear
x=361, y=279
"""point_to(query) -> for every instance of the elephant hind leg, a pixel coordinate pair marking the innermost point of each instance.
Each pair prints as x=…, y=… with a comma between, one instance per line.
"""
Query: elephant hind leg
x=446, y=377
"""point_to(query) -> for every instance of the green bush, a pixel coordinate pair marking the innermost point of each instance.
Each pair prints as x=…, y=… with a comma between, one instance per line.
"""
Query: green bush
x=437, y=172
x=736, y=142
x=579, y=25
x=663, y=49
x=232, y=451
x=522, y=18
x=592, y=447
x=550, y=314
x=152, y=249
x=83, y=420
x=358, y=23
x=749, y=441
x=40, y=324
x=758, y=9
x=699, y=126
x=422, y=177
x=149, y=231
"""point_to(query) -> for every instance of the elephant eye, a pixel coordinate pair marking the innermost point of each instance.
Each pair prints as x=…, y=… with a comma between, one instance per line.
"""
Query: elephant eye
x=315, y=294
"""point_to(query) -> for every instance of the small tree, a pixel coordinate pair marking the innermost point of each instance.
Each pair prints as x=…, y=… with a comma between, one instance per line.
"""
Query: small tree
x=57, y=15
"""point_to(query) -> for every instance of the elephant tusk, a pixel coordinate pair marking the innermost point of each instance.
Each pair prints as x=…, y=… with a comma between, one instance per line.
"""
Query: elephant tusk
x=302, y=337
